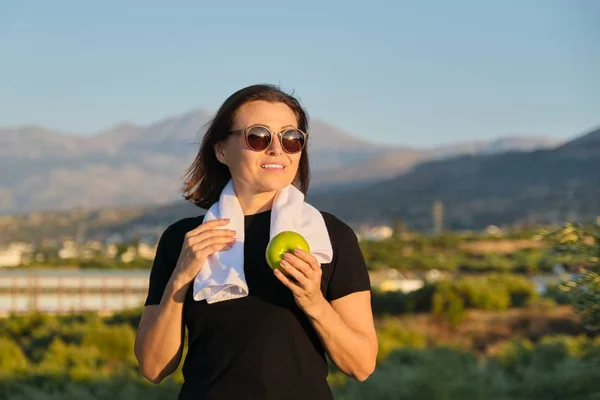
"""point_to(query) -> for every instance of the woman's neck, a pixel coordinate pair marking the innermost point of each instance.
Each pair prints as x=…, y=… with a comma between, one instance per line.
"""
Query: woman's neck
x=254, y=203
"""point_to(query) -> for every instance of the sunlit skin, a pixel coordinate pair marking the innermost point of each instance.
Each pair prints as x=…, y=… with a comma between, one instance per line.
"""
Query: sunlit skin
x=254, y=185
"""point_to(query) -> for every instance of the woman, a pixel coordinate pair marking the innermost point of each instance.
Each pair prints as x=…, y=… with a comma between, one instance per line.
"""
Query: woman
x=270, y=344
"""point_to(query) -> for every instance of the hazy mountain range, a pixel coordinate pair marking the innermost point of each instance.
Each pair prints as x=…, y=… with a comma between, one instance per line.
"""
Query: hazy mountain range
x=132, y=165
x=541, y=186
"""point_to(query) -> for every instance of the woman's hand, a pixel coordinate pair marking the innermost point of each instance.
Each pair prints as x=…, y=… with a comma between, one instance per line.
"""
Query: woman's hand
x=305, y=281
x=199, y=243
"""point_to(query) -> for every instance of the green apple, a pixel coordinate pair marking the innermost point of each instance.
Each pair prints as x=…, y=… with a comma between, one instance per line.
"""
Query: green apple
x=284, y=242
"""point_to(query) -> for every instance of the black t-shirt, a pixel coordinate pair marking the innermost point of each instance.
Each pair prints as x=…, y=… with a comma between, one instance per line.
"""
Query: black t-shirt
x=261, y=346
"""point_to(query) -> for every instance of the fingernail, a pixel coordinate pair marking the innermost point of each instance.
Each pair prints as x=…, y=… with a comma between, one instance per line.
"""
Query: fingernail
x=287, y=256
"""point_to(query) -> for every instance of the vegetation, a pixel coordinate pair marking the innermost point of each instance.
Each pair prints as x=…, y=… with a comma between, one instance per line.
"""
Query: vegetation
x=77, y=356
x=98, y=262
x=521, y=252
x=482, y=332
x=559, y=367
x=450, y=298
x=86, y=356
x=583, y=245
x=465, y=253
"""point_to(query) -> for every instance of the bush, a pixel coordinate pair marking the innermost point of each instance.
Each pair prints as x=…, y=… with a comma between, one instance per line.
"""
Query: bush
x=12, y=359
x=581, y=244
x=422, y=374
x=448, y=303
x=388, y=303
x=557, y=294
x=484, y=293
x=552, y=369
x=493, y=292
x=26, y=388
x=520, y=289
x=114, y=342
x=72, y=362
x=392, y=336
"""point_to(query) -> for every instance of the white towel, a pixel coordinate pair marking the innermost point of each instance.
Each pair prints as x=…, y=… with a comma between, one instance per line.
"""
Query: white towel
x=222, y=275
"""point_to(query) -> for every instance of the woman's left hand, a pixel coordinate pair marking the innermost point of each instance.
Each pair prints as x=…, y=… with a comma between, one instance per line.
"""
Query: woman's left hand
x=305, y=270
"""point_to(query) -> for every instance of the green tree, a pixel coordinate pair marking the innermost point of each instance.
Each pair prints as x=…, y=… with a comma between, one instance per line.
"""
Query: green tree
x=582, y=244
x=12, y=359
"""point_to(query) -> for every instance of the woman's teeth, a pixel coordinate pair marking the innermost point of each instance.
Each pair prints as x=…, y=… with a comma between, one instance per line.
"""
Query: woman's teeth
x=269, y=166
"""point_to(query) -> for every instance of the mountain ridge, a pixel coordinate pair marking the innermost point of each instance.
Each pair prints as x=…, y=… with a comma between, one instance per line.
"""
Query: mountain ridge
x=541, y=186
x=143, y=165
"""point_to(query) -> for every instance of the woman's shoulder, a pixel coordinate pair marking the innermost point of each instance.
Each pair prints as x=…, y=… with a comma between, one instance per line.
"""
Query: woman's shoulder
x=179, y=228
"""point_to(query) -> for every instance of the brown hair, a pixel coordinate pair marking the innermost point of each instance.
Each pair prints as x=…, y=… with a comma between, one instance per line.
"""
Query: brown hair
x=206, y=177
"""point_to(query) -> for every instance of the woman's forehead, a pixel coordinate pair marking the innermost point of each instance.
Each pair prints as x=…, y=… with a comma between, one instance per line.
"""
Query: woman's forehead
x=273, y=115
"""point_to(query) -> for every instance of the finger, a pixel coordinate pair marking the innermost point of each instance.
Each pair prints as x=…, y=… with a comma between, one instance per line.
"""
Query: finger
x=218, y=232
x=294, y=273
x=309, y=259
x=287, y=282
x=299, y=264
x=209, y=225
x=211, y=245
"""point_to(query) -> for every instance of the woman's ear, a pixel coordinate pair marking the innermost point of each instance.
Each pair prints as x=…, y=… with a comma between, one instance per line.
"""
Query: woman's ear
x=220, y=153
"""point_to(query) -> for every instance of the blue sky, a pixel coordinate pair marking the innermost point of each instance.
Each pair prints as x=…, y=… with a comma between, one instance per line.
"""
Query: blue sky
x=412, y=73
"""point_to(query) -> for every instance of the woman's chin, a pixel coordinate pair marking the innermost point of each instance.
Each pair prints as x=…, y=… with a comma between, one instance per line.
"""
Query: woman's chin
x=275, y=184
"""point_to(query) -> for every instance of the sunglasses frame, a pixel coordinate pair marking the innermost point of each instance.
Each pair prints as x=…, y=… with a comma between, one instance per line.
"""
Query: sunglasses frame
x=280, y=134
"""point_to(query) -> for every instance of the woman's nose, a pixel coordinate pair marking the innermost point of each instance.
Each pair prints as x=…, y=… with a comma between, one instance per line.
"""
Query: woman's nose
x=275, y=146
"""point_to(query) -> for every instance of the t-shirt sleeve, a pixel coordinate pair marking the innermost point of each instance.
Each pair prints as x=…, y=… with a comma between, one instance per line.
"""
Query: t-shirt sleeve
x=162, y=266
x=349, y=272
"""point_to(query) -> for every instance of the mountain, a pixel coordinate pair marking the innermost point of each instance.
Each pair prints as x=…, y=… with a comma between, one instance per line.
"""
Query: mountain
x=478, y=190
x=126, y=165
x=130, y=165
x=541, y=186
x=397, y=161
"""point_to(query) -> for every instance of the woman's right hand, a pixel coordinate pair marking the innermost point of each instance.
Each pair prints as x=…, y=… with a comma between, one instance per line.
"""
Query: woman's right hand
x=198, y=244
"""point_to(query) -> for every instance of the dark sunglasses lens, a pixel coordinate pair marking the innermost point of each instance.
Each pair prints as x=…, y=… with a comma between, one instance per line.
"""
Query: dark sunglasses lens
x=259, y=138
x=292, y=141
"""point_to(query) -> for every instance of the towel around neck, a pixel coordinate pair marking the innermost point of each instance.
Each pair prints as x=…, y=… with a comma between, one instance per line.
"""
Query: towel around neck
x=222, y=275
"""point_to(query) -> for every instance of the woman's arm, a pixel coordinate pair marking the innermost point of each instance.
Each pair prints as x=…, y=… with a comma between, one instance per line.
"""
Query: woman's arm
x=348, y=333
x=159, y=338
x=345, y=326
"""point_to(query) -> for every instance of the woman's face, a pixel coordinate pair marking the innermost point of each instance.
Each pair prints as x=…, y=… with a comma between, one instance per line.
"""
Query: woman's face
x=264, y=171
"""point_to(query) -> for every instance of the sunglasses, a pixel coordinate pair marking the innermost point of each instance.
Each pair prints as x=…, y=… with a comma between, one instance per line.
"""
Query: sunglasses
x=259, y=138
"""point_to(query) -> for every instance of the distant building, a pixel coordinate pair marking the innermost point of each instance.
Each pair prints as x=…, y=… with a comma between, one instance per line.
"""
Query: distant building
x=437, y=213
x=146, y=251
x=87, y=254
x=68, y=250
x=493, y=230
x=95, y=245
x=379, y=232
x=112, y=250
x=129, y=255
x=433, y=275
x=15, y=254
x=401, y=285
x=392, y=280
